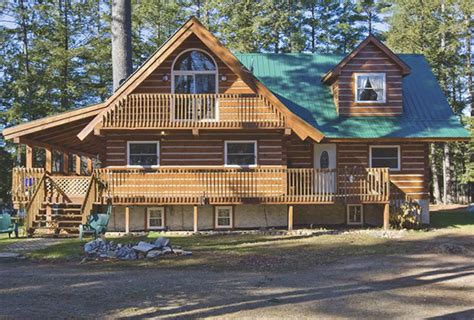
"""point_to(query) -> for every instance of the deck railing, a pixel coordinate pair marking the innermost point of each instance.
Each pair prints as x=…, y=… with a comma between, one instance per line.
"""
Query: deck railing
x=202, y=186
x=264, y=185
x=156, y=111
x=25, y=181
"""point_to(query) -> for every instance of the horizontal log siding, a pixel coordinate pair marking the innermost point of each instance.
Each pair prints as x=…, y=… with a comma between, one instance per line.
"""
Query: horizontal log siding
x=155, y=84
x=370, y=59
x=413, y=177
x=299, y=153
x=206, y=149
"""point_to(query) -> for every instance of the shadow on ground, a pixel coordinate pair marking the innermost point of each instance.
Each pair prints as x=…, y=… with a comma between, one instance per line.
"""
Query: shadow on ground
x=418, y=283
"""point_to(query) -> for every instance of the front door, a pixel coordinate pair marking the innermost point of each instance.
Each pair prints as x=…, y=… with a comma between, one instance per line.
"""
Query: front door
x=325, y=158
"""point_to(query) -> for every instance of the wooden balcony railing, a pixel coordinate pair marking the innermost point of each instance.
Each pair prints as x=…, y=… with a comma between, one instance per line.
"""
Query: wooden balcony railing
x=157, y=111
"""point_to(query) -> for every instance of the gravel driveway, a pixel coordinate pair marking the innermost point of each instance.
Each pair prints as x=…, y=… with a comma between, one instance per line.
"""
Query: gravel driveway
x=409, y=286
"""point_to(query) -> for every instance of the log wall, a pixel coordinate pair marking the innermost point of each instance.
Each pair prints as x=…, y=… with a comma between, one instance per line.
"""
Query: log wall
x=413, y=177
x=181, y=148
x=370, y=60
x=155, y=84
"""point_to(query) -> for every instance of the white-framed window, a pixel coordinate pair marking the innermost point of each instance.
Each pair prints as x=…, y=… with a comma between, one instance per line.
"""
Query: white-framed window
x=224, y=217
x=355, y=214
x=240, y=153
x=143, y=153
x=155, y=217
x=194, y=71
x=385, y=157
x=370, y=88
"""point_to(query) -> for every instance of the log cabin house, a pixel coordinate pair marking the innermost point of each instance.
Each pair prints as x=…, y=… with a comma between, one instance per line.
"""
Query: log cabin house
x=200, y=138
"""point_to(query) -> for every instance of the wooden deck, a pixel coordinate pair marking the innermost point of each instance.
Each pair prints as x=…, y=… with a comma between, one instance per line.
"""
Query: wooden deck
x=37, y=191
x=212, y=186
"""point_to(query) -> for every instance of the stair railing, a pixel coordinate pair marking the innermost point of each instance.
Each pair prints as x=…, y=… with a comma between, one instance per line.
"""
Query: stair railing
x=89, y=199
x=36, y=201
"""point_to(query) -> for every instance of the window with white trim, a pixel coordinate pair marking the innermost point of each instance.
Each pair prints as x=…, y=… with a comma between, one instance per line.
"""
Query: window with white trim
x=370, y=87
x=385, y=157
x=355, y=214
x=155, y=218
x=241, y=153
x=143, y=153
x=224, y=217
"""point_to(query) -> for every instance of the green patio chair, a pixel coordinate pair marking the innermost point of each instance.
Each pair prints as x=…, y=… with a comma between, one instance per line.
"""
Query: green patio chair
x=96, y=224
x=7, y=226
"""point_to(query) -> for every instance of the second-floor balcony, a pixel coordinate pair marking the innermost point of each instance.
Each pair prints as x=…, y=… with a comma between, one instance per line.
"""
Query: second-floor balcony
x=158, y=111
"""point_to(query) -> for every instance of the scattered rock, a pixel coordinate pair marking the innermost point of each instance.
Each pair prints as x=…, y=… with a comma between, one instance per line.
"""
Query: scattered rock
x=153, y=254
x=103, y=249
x=162, y=242
x=144, y=247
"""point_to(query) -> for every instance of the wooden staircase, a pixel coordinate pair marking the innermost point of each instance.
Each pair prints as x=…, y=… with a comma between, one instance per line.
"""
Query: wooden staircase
x=57, y=220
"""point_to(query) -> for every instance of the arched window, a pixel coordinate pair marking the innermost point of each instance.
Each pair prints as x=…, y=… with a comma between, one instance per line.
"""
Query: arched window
x=194, y=71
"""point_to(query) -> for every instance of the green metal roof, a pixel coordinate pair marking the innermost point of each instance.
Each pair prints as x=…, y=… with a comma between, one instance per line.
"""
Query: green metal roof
x=296, y=80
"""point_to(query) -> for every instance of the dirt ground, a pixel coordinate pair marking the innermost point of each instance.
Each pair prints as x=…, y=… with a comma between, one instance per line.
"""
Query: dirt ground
x=435, y=284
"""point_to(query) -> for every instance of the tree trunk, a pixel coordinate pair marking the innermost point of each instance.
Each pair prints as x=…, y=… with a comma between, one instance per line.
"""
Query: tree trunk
x=65, y=69
x=121, y=41
x=26, y=53
x=446, y=174
x=434, y=174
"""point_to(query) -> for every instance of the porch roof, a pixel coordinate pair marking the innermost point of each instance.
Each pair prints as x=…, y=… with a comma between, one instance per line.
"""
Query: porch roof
x=296, y=80
x=59, y=131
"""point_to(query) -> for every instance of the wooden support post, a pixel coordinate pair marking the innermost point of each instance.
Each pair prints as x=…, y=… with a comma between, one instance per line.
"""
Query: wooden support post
x=195, y=215
x=386, y=216
x=78, y=164
x=127, y=219
x=66, y=163
x=29, y=157
x=48, y=165
x=89, y=166
x=290, y=218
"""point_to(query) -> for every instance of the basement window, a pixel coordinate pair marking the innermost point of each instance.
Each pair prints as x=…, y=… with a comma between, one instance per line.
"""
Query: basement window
x=224, y=217
x=240, y=153
x=355, y=214
x=370, y=87
x=155, y=218
x=385, y=157
x=143, y=153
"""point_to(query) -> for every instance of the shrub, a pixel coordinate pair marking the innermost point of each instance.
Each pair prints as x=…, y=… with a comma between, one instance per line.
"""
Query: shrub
x=407, y=215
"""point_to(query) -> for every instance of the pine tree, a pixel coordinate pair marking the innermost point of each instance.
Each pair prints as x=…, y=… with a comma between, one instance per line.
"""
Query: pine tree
x=437, y=29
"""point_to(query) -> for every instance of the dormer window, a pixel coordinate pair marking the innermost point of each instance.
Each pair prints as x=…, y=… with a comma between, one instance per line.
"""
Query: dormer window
x=370, y=87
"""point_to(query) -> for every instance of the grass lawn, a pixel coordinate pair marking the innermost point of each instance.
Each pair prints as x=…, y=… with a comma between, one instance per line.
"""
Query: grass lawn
x=254, y=252
x=270, y=252
x=453, y=219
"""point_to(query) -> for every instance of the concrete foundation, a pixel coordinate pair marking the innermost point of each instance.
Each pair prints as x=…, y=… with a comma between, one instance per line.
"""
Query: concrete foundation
x=180, y=217
x=425, y=211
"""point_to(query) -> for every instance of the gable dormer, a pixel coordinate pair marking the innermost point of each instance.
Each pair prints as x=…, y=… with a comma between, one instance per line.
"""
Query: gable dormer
x=368, y=82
